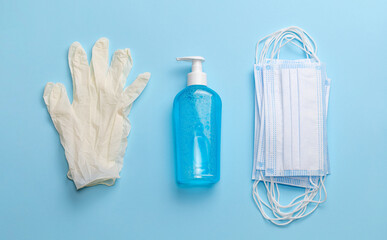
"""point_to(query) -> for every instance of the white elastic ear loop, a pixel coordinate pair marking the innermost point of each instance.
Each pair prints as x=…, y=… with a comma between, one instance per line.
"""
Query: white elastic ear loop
x=298, y=212
x=277, y=52
x=292, y=37
x=279, y=38
x=266, y=46
x=259, y=201
x=307, y=197
x=280, y=216
x=309, y=46
x=304, y=38
x=285, y=216
x=277, y=206
x=300, y=37
x=268, y=40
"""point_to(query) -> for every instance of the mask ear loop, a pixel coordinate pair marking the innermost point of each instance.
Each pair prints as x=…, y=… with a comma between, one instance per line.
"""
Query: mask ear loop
x=297, y=213
x=308, y=44
x=289, y=39
x=268, y=40
x=274, y=205
x=306, y=40
x=308, y=53
x=279, y=216
x=264, y=50
x=299, y=37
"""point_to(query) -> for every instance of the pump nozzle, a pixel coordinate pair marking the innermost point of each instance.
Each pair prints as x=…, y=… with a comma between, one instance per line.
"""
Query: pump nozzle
x=196, y=77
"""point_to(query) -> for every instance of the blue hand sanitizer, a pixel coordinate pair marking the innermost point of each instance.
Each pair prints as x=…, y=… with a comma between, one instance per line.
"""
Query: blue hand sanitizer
x=197, y=113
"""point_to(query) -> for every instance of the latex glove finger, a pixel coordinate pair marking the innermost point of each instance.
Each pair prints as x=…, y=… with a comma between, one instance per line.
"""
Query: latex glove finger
x=134, y=90
x=119, y=69
x=79, y=68
x=99, y=61
x=58, y=105
x=56, y=99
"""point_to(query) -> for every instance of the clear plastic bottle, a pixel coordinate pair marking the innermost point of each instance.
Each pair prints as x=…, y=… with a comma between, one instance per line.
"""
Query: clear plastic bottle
x=197, y=112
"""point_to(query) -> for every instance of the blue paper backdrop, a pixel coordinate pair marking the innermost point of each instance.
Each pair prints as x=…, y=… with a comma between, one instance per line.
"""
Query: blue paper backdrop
x=37, y=201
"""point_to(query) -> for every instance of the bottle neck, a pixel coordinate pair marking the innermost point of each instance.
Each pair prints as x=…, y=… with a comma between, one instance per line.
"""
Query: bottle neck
x=197, y=78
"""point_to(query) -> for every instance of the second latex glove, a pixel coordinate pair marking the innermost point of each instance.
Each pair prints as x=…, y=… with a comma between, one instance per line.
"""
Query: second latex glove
x=93, y=129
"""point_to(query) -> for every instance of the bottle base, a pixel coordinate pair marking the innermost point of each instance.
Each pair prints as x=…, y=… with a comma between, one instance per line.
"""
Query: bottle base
x=198, y=181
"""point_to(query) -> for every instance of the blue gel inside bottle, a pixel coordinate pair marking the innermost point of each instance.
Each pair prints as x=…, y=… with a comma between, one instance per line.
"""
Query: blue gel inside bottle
x=197, y=112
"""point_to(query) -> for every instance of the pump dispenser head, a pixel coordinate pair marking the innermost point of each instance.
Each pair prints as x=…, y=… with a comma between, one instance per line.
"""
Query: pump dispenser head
x=196, y=77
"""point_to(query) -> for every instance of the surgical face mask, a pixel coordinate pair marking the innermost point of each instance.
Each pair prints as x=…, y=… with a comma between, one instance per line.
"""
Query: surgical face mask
x=290, y=145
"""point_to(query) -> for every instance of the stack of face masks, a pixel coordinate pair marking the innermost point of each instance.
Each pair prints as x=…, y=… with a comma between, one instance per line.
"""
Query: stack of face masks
x=290, y=143
x=93, y=129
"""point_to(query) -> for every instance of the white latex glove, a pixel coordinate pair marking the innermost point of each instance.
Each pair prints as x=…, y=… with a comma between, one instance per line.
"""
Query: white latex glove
x=93, y=129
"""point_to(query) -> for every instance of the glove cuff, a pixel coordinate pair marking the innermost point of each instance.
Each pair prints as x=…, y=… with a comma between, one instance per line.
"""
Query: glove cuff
x=107, y=177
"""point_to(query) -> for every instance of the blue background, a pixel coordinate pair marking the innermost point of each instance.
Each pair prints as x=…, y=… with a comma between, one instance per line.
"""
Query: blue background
x=37, y=201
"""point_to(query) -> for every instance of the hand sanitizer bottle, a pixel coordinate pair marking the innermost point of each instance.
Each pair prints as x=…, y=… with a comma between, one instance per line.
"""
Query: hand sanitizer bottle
x=197, y=113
